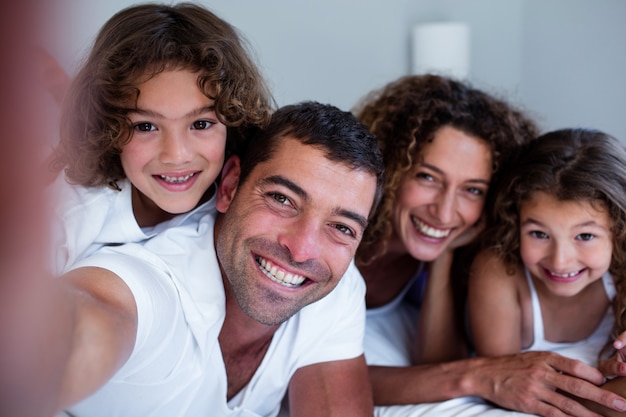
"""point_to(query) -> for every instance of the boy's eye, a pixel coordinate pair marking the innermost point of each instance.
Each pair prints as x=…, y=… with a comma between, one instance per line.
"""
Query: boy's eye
x=144, y=127
x=539, y=235
x=201, y=124
x=585, y=236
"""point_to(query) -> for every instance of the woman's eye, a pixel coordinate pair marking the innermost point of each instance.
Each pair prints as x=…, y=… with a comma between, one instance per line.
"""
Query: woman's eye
x=585, y=236
x=424, y=176
x=144, y=127
x=201, y=124
x=539, y=235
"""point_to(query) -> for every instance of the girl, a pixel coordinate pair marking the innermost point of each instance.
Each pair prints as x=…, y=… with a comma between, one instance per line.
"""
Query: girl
x=546, y=279
x=145, y=122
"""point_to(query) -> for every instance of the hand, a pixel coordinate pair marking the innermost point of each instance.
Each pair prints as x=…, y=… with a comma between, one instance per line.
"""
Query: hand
x=616, y=364
x=467, y=236
x=545, y=383
x=53, y=76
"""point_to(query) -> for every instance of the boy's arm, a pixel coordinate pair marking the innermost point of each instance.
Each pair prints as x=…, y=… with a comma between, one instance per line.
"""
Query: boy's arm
x=99, y=326
x=494, y=307
x=336, y=388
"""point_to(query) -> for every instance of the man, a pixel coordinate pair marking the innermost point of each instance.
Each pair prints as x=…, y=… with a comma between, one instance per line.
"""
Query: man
x=220, y=315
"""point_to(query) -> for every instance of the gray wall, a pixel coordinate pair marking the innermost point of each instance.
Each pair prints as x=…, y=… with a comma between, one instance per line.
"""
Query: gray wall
x=574, y=63
x=562, y=60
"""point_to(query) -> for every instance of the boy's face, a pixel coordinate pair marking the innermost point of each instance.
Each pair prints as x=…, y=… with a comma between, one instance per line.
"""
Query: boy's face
x=290, y=231
x=177, y=146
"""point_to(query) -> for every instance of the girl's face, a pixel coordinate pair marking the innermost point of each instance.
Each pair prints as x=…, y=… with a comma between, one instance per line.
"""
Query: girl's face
x=443, y=196
x=565, y=244
x=176, y=149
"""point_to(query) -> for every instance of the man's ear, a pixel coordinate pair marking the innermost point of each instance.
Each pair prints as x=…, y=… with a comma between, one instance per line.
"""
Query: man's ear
x=228, y=184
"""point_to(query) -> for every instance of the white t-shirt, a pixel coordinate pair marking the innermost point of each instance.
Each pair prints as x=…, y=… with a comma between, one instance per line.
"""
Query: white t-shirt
x=176, y=367
x=87, y=218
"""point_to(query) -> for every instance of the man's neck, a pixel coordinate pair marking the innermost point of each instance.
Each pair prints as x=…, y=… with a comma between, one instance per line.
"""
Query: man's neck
x=244, y=342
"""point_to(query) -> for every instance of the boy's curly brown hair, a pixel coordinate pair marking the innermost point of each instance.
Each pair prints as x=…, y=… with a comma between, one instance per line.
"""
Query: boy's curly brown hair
x=133, y=45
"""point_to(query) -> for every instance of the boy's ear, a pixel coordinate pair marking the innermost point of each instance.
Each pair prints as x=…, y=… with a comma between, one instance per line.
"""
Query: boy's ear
x=227, y=187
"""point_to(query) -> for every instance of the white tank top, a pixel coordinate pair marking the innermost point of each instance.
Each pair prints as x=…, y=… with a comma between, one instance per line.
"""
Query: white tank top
x=587, y=349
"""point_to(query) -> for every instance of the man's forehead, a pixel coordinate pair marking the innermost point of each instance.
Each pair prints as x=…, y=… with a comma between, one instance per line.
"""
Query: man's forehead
x=309, y=173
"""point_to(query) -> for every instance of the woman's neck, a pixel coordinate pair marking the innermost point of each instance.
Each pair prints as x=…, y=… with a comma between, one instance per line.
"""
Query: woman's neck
x=386, y=276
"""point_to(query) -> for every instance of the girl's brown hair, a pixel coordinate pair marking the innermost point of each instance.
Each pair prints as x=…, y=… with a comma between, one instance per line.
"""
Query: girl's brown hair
x=571, y=165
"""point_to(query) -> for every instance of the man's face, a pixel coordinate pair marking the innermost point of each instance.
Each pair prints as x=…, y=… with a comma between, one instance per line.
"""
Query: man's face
x=290, y=231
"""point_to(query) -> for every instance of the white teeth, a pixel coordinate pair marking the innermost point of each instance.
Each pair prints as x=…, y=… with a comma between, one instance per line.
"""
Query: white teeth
x=278, y=275
x=176, y=180
x=430, y=231
x=568, y=275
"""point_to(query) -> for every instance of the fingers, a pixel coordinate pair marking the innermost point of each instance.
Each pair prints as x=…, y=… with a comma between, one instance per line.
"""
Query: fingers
x=576, y=387
x=620, y=344
x=576, y=379
x=557, y=404
x=612, y=367
x=580, y=370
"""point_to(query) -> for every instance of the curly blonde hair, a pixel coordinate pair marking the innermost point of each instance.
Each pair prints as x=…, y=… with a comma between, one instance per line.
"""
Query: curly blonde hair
x=141, y=41
x=405, y=115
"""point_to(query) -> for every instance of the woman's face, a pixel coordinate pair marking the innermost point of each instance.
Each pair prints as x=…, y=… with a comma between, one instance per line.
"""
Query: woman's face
x=443, y=196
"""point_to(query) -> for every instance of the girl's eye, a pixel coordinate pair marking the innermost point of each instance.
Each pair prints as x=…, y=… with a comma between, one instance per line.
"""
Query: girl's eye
x=538, y=235
x=475, y=191
x=585, y=236
x=201, y=124
x=144, y=127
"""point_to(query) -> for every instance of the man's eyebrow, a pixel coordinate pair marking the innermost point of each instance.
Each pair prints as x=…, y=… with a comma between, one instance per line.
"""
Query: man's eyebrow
x=280, y=180
x=193, y=113
x=362, y=221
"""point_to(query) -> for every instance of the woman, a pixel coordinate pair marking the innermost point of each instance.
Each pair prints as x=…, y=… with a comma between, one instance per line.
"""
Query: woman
x=443, y=143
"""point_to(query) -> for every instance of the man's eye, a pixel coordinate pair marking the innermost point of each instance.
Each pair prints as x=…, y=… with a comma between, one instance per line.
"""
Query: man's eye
x=144, y=127
x=280, y=198
x=201, y=124
x=345, y=230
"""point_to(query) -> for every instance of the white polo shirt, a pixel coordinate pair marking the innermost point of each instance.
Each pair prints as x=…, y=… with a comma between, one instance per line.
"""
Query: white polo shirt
x=176, y=367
